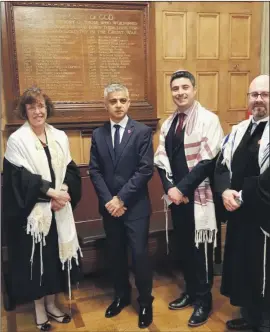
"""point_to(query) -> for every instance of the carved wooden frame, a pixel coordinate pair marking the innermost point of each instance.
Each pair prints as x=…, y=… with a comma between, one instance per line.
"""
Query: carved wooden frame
x=67, y=112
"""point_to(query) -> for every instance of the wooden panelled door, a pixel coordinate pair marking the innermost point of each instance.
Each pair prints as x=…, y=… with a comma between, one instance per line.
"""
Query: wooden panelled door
x=219, y=42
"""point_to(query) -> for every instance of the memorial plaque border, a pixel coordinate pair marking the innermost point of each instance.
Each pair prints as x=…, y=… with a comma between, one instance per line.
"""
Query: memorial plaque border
x=83, y=116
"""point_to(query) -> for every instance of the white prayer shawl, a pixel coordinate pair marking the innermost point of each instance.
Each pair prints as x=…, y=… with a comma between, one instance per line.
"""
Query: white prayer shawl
x=229, y=148
x=24, y=149
x=202, y=139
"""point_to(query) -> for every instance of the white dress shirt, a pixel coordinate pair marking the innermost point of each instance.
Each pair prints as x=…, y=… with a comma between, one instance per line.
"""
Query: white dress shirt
x=185, y=112
x=255, y=123
x=122, y=124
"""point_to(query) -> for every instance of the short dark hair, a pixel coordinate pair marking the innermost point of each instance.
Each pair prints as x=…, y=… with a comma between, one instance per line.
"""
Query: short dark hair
x=31, y=96
x=183, y=73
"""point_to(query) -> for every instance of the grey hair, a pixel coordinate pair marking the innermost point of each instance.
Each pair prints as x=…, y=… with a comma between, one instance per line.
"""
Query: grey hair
x=115, y=87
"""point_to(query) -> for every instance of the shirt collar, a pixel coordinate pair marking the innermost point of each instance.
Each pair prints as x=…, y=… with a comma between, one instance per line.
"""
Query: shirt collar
x=186, y=111
x=122, y=123
x=262, y=120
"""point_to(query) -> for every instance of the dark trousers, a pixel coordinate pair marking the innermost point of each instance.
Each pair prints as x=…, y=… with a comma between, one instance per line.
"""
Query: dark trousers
x=258, y=317
x=120, y=234
x=192, y=259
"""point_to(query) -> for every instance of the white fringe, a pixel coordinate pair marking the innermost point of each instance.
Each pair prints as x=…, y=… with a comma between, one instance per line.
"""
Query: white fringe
x=206, y=236
x=264, y=260
x=167, y=225
x=69, y=284
x=41, y=262
x=206, y=261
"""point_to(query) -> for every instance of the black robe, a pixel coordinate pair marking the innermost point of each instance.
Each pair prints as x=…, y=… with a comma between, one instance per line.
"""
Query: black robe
x=21, y=191
x=242, y=279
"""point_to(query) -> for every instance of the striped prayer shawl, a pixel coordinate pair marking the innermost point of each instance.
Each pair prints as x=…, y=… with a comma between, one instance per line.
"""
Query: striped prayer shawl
x=203, y=136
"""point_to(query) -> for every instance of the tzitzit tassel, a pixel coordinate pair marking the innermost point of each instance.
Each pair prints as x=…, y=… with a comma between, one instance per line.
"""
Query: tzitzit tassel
x=264, y=264
x=41, y=263
x=167, y=225
x=206, y=261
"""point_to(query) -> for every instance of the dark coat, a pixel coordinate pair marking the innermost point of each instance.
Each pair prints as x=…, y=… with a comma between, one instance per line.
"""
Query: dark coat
x=242, y=279
x=128, y=175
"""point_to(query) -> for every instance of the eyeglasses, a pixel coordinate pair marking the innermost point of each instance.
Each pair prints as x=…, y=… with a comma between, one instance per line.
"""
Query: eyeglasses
x=255, y=95
x=32, y=108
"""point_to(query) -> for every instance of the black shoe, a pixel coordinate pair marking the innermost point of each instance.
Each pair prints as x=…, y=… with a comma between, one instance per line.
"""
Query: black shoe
x=200, y=315
x=46, y=326
x=145, y=316
x=182, y=302
x=116, y=307
x=65, y=318
x=239, y=324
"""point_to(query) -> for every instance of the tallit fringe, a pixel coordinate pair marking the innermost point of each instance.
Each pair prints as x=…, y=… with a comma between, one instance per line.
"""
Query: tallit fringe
x=201, y=236
x=67, y=252
x=167, y=224
x=206, y=236
x=266, y=235
x=206, y=262
x=37, y=237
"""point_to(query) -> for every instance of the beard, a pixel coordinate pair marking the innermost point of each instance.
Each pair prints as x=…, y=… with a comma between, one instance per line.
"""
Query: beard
x=259, y=111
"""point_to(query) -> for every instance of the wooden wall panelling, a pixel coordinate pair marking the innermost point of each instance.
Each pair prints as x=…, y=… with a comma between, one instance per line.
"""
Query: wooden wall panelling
x=222, y=50
x=208, y=89
x=208, y=36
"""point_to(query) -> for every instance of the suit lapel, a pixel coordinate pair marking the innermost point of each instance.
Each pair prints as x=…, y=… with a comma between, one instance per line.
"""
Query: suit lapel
x=108, y=139
x=179, y=141
x=126, y=137
x=169, y=139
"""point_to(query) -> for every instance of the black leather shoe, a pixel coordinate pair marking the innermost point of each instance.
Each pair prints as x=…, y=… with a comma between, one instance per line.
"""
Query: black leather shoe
x=116, y=307
x=182, y=302
x=46, y=326
x=239, y=324
x=145, y=316
x=200, y=315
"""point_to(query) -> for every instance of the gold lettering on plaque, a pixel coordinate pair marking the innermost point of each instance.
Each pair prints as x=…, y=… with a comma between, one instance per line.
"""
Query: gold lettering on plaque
x=73, y=53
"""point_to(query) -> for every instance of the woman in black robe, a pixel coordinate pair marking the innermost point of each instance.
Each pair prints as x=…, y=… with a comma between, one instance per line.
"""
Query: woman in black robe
x=22, y=190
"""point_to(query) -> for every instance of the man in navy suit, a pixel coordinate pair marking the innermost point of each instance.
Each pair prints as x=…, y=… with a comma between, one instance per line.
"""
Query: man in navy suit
x=121, y=164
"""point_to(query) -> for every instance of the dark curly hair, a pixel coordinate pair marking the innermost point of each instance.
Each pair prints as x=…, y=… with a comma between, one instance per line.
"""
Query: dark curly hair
x=32, y=96
x=183, y=73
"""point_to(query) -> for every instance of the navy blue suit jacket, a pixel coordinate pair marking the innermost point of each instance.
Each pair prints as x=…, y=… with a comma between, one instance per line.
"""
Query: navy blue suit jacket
x=127, y=175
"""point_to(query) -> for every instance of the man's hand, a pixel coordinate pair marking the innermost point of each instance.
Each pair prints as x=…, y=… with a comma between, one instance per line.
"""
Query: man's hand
x=119, y=212
x=56, y=206
x=175, y=196
x=185, y=200
x=229, y=201
x=115, y=207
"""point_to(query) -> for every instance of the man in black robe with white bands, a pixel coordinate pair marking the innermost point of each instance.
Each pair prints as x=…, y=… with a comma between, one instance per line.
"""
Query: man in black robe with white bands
x=242, y=178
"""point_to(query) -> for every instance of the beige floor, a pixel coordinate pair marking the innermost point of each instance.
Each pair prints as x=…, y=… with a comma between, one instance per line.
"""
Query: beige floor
x=94, y=295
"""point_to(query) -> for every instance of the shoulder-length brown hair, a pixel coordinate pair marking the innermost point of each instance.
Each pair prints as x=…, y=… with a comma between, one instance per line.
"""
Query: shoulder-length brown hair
x=32, y=96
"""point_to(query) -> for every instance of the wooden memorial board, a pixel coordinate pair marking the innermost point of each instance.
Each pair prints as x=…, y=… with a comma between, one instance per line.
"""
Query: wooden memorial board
x=73, y=50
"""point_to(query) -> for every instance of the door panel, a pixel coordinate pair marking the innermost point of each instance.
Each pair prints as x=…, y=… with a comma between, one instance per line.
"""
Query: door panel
x=219, y=42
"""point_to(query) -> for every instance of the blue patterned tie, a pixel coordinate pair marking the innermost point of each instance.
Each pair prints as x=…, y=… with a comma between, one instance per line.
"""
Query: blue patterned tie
x=254, y=126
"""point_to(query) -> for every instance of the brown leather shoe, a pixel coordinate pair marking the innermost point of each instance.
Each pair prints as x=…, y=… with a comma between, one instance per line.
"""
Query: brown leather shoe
x=239, y=324
x=181, y=303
